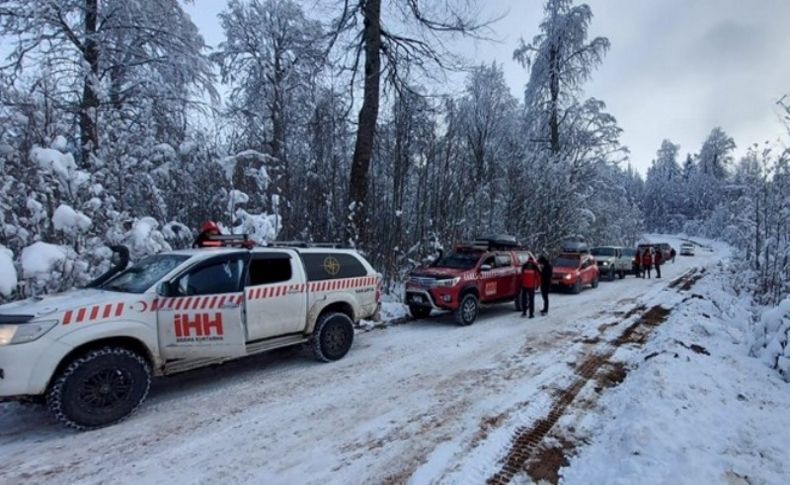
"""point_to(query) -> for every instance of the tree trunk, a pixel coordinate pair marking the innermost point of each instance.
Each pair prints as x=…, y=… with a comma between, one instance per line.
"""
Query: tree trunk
x=554, y=88
x=89, y=136
x=368, y=116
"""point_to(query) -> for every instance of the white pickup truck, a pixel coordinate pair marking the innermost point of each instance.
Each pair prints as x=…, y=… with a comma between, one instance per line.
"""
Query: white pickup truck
x=91, y=353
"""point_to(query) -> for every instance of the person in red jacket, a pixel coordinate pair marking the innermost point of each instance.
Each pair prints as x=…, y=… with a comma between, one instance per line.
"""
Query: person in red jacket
x=658, y=259
x=208, y=229
x=647, y=262
x=530, y=281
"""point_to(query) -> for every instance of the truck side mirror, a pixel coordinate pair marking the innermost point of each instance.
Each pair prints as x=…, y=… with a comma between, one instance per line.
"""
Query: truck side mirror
x=164, y=289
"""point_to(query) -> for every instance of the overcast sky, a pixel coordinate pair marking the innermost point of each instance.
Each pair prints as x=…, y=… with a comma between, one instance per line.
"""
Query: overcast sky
x=676, y=68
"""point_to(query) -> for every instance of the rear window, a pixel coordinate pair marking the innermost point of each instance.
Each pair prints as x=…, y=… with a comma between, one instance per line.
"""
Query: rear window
x=566, y=263
x=330, y=266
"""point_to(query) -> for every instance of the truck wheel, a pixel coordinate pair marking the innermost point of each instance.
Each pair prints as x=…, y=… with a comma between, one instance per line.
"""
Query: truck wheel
x=99, y=388
x=612, y=274
x=595, y=282
x=333, y=336
x=577, y=287
x=621, y=274
x=419, y=311
x=467, y=310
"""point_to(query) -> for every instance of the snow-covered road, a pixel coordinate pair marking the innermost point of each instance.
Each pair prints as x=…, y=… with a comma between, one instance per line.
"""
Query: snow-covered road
x=408, y=402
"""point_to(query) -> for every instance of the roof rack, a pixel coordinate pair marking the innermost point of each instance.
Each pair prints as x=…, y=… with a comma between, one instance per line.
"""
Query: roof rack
x=308, y=244
x=499, y=242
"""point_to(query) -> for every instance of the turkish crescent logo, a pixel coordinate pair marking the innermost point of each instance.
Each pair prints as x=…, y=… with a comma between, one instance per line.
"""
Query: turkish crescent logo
x=331, y=265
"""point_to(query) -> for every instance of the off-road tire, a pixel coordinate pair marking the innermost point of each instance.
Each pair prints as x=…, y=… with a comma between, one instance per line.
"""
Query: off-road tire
x=113, y=378
x=419, y=312
x=333, y=336
x=621, y=275
x=594, y=283
x=467, y=311
x=577, y=287
x=612, y=274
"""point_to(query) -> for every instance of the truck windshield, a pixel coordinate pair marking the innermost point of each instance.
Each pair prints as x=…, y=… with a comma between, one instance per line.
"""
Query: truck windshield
x=459, y=260
x=629, y=252
x=144, y=274
x=602, y=251
x=566, y=263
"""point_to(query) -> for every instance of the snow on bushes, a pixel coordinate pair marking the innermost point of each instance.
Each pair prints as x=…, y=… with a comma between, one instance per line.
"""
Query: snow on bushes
x=771, y=337
x=8, y=277
x=70, y=221
x=41, y=258
x=144, y=238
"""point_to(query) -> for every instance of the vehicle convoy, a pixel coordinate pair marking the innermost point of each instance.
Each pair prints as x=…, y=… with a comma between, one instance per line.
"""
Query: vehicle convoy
x=611, y=262
x=91, y=352
x=574, y=271
x=687, y=249
x=485, y=271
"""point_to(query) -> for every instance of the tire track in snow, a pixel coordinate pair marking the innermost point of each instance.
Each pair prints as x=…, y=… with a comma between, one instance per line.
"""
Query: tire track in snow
x=527, y=441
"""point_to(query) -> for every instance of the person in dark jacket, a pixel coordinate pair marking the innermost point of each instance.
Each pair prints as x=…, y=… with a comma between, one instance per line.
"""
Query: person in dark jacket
x=208, y=229
x=530, y=281
x=647, y=262
x=672, y=254
x=637, y=263
x=658, y=260
x=545, y=282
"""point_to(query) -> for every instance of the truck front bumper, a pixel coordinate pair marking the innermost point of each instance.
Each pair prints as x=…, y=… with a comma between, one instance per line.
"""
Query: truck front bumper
x=25, y=369
x=435, y=298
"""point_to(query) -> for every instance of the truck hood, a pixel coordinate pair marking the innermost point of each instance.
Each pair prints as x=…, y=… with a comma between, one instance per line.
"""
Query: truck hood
x=438, y=273
x=608, y=259
x=41, y=306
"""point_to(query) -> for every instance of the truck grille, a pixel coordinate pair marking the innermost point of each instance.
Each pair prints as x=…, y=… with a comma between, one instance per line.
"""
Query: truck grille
x=421, y=281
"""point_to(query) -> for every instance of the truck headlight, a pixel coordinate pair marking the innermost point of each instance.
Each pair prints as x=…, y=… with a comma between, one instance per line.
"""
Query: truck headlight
x=448, y=283
x=604, y=263
x=25, y=332
x=567, y=276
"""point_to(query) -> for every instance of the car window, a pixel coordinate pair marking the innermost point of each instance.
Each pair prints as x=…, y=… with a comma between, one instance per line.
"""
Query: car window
x=490, y=261
x=503, y=260
x=144, y=274
x=220, y=277
x=265, y=270
x=328, y=266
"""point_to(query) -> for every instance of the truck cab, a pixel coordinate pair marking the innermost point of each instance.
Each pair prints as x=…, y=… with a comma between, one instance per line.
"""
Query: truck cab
x=485, y=271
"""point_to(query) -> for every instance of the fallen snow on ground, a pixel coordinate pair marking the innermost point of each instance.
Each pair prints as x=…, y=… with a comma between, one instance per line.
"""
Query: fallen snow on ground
x=694, y=407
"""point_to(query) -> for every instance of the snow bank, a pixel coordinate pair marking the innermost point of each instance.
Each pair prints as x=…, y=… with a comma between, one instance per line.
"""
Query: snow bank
x=41, y=258
x=771, y=336
x=8, y=278
x=70, y=221
x=694, y=406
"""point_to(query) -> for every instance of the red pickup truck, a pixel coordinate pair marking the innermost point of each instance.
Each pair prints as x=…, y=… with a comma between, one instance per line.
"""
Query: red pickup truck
x=486, y=271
